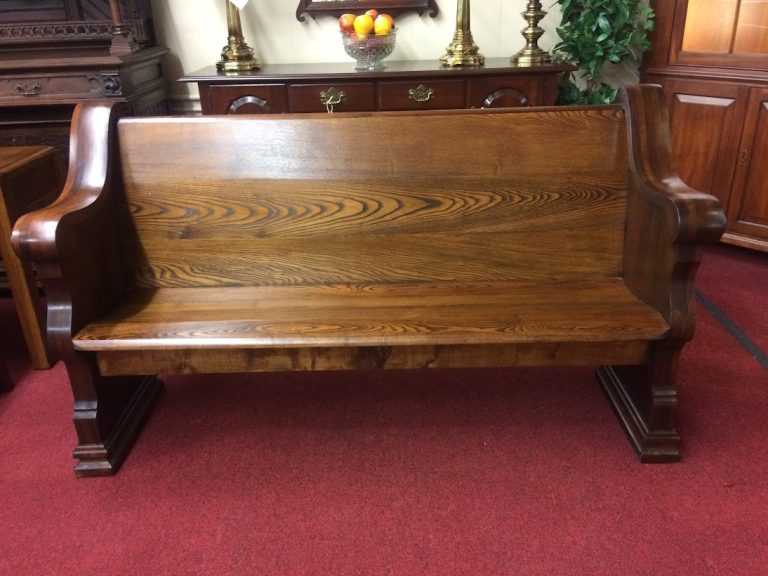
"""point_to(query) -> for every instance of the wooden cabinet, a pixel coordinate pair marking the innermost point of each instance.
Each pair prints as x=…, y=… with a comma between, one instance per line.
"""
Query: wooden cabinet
x=714, y=70
x=411, y=85
x=57, y=53
x=748, y=211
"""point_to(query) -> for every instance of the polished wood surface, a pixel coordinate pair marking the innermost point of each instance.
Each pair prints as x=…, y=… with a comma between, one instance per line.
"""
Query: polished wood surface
x=405, y=201
x=30, y=178
x=716, y=99
x=442, y=313
x=277, y=88
x=404, y=240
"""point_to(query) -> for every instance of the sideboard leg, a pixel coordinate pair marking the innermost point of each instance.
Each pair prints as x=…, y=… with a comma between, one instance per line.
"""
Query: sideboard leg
x=645, y=400
x=108, y=416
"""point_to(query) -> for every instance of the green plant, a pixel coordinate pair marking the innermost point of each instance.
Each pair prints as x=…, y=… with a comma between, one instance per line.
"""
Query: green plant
x=593, y=33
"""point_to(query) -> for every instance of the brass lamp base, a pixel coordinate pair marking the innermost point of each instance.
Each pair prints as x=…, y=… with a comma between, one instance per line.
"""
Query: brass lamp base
x=531, y=54
x=236, y=56
x=531, y=58
x=238, y=59
x=462, y=51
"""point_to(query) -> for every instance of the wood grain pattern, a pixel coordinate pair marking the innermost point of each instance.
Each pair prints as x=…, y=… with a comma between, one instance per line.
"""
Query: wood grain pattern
x=395, y=204
x=116, y=362
x=375, y=315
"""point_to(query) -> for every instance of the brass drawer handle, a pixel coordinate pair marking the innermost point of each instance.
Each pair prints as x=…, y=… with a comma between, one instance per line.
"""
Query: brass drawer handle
x=421, y=93
x=744, y=158
x=28, y=89
x=329, y=98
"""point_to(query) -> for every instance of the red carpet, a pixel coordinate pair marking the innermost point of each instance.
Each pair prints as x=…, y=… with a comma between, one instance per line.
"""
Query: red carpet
x=477, y=472
x=736, y=281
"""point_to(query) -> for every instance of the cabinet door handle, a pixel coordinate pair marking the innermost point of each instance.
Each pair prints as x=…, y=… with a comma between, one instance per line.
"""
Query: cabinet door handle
x=28, y=89
x=421, y=93
x=744, y=158
x=329, y=98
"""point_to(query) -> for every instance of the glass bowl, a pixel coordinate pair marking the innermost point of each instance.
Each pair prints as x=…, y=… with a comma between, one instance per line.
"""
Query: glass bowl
x=368, y=51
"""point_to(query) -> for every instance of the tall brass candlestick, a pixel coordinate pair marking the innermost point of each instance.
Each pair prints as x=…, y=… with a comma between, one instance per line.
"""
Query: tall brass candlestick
x=236, y=56
x=462, y=51
x=531, y=54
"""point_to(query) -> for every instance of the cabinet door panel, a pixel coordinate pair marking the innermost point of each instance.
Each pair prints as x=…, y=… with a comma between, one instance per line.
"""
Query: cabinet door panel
x=706, y=121
x=748, y=211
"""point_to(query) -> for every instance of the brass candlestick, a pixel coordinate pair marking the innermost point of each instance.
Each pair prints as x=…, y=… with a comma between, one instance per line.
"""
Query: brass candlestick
x=462, y=51
x=236, y=56
x=531, y=54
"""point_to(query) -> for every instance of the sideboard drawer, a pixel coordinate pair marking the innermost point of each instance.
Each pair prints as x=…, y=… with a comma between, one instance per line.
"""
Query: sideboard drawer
x=415, y=95
x=343, y=97
x=512, y=91
x=245, y=99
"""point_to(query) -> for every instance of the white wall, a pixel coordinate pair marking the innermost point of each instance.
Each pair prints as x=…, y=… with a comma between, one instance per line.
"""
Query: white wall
x=196, y=30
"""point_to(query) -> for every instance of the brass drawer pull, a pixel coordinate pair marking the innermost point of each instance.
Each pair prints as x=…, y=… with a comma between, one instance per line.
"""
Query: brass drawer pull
x=744, y=158
x=329, y=98
x=28, y=89
x=421, y=93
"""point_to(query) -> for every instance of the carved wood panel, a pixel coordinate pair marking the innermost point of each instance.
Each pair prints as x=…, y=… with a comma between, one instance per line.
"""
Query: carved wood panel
x=23, y=22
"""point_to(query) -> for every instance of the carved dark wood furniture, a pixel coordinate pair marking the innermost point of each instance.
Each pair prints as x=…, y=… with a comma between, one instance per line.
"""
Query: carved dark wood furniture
x=408, y=240
x=402, y=85
x=30, y=177
x=56, y=53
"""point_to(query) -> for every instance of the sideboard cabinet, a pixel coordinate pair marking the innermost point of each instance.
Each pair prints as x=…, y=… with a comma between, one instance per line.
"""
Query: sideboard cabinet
x=712, y=59
x=401, y=85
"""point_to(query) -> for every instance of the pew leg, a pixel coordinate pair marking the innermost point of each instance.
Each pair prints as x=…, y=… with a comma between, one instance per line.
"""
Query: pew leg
x=109, y=413
x=645, y=400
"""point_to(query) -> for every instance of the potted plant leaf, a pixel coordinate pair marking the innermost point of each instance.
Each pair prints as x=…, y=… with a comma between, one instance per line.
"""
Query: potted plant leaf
x=595, y=34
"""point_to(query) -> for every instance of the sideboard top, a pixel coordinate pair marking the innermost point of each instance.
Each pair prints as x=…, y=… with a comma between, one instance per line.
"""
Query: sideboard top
x=399, y=68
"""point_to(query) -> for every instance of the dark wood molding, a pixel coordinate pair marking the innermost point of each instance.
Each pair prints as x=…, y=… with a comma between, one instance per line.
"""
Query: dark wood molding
x=394, y=7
